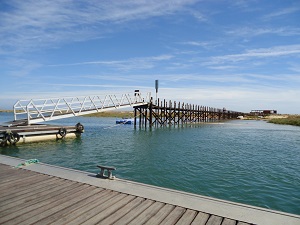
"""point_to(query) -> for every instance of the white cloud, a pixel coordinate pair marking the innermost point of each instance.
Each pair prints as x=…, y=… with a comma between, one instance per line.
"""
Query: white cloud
x=276, y=51
x=296, y=68
x=281, y=12
x=125, y=65
x=203, y=44
x=27, y=25
x=239, y=98
x=198, y=15
x=252, y=32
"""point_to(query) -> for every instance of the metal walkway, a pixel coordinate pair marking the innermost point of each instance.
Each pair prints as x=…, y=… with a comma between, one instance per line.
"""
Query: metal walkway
x=42, y=110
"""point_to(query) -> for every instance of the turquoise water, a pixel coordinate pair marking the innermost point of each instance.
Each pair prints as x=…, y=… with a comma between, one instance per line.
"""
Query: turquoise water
x=250, y=162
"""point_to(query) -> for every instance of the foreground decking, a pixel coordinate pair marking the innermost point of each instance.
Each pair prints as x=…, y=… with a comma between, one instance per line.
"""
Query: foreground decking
x=43, y=194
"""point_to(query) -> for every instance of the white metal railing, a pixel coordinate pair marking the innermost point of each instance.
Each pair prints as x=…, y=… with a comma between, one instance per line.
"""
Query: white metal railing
x=40, y=110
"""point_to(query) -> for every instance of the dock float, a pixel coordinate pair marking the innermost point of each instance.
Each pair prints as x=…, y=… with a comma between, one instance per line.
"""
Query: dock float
x=45, y=194
x=13, y=133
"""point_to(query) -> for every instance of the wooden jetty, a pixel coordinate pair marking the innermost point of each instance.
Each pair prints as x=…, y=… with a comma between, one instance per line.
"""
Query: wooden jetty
x=45, y=194
x=172, y=113
x=29, y=113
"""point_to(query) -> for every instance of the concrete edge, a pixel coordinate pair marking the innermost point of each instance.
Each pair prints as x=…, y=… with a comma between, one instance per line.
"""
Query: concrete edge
x=233, y=210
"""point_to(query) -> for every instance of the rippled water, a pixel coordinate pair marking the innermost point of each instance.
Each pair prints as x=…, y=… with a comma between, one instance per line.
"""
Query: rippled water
x=251, y=162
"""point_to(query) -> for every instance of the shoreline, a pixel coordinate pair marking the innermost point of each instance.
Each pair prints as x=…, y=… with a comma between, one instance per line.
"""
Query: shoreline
x=100, y=114
x=283, y=119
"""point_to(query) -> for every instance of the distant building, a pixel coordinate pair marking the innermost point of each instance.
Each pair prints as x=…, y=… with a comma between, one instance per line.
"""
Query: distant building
x=264, y=112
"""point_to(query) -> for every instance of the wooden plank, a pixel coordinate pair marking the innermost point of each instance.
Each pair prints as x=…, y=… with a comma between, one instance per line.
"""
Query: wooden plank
x=4, y=169
x=17, y=212
x=10, y=191
x=227, y=221
x=98, y=199
x=17, y=177
x=60, y=205
x=34, y=210
x=122, y=212
x=15, y=174
x=243, y=223
x=98, y=209
x=214, y=220
x=161, y=215
x=8, y=173
x=35, y=198
x=14, y=186
x=187, y=217
x=21, y=191
x=200, y=219
x=3, y=165
x=134, y=213
x=174, y=216
x=19, y=185
x=30, y=194
x=109, y=210
x=148, y=213
x=70, y=209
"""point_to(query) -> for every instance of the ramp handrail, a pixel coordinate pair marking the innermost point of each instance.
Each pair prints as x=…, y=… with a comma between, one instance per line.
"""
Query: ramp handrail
x=40, y=110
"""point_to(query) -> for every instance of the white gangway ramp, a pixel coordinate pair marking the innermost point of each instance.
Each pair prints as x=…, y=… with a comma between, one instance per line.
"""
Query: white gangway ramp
x=42, y=110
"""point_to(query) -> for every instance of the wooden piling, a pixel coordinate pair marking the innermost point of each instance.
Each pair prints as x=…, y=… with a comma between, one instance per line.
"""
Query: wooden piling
x=165, y=113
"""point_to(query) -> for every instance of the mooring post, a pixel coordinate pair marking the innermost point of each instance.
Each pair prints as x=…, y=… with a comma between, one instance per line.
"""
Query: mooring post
x=184, y=109
x=175, y=113
x=164, y=110
x=182, y=113
x=146, y=117
x=134, y=117
x=190, y=112
x=140, y=118
x=179, y=113
x=198, y=113
x=160, y=113
x=194, y=114
x=150, y=109
x=170, y=112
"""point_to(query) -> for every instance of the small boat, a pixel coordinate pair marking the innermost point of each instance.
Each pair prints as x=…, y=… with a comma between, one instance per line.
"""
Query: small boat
x=124, y=121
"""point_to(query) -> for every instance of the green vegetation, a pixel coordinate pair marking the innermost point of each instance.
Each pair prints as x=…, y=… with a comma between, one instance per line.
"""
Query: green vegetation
x=252, y=118
x=290, y=120
x=118, y=114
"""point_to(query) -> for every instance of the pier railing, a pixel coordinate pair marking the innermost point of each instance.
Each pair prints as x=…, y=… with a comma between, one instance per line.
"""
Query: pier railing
x=40, y=110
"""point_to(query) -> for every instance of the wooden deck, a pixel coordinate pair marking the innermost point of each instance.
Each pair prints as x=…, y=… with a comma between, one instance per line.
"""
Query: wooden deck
x=30, y=197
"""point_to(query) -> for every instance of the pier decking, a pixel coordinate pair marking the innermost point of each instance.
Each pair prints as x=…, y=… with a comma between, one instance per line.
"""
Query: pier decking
x=44, y=194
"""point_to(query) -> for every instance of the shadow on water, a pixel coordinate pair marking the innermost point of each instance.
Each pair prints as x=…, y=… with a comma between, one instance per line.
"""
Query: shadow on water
x=10, y=150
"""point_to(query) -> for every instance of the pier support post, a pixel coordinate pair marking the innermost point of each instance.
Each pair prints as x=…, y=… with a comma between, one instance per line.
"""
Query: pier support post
x=150, y=109
x=134, y=117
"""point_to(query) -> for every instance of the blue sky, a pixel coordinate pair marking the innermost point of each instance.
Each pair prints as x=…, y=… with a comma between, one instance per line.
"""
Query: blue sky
x=242, y=54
